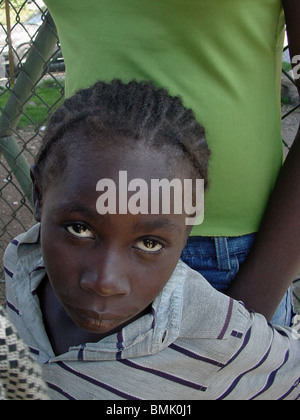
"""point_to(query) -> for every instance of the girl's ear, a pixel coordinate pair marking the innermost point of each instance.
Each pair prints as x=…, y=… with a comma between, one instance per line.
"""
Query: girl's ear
x=37, y=195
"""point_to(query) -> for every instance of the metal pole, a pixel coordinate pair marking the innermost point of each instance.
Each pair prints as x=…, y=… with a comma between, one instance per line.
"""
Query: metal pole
x=32, y=71
x=10, y=46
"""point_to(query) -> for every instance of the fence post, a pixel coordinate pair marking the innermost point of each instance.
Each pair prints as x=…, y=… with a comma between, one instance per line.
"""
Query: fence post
x=32, y=71
x=10, y=47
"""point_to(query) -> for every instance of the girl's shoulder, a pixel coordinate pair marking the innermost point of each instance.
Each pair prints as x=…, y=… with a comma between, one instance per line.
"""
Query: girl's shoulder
x=207, y=313
x=11, y=255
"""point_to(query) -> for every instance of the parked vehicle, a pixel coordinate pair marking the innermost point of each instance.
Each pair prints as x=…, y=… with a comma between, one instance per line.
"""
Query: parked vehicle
x=22, y=36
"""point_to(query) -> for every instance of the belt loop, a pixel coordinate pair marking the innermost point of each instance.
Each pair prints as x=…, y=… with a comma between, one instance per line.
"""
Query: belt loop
x=222, y=253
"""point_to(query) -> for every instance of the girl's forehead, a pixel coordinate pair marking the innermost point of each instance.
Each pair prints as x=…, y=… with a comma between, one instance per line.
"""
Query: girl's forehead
x=93, y=162
x=113, y=179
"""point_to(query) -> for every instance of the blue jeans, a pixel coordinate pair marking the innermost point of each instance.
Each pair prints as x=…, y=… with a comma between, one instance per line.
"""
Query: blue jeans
x=219, y=260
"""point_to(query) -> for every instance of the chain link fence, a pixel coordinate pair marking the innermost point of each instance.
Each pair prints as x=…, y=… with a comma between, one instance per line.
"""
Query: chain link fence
x=31, y=87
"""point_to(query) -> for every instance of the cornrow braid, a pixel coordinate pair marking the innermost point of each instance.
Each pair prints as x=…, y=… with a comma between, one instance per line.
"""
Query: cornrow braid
x=137, y=111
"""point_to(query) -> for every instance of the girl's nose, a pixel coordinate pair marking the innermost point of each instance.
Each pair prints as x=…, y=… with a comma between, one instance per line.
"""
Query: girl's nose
x=107, y=277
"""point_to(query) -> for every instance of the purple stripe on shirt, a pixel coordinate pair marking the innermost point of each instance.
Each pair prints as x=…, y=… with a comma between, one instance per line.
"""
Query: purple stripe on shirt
x=154, y=318
x=296, y=384
x=81, y=353
x=243, y=346
x=164, y=375
x=195, y=356
x=36, y=269
x=227, y=321
x=120, y=346
x=60, y=391
x=13, y=308
x=9, y=273
x=237, y=380
x=34, y=351
x=97, y=383
x=285, y=396
x=272, y=377
x=237, y=334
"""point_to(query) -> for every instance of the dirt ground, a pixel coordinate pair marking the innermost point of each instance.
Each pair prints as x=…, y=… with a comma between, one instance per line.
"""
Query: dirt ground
x=15, y=213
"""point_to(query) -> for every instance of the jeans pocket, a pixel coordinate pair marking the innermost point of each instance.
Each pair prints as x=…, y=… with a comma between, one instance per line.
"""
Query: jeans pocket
x=208, y=267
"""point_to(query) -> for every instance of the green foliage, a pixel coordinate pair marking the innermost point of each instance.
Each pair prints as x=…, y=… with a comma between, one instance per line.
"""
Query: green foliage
x=45, y=100
x=287, y=66
x=17, y=8
x=15, y=3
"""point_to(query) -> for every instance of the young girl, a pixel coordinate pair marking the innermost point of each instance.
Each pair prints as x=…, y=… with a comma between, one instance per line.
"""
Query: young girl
x=96, y=289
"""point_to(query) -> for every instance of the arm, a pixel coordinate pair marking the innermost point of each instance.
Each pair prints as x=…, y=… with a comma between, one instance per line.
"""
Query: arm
x=274, y=262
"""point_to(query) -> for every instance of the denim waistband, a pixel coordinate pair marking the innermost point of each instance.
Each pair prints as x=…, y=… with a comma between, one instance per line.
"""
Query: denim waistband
x=234, y=245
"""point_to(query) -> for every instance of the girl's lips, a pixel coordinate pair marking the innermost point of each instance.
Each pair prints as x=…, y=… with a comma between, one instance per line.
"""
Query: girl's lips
x=94, y=321
x=101, y=323
x=95, y=315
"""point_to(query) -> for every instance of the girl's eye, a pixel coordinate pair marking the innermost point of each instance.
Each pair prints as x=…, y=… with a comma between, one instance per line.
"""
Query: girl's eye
x=149, y=245
x=80, y=231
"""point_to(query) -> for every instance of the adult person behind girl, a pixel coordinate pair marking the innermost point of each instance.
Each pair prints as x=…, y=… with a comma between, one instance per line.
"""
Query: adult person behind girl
x=224, y=58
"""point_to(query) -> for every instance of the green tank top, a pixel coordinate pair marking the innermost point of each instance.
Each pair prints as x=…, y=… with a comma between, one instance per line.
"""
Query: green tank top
x=223, y=57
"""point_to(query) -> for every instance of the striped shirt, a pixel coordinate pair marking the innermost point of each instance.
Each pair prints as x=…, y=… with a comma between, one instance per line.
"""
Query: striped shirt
x=197, y=344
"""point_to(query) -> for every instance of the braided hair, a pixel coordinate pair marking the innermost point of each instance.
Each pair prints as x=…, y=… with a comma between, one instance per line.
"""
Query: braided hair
x=133, y=112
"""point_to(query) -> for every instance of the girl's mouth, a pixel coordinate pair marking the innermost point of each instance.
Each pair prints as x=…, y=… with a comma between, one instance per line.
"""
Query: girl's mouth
x=94, y=322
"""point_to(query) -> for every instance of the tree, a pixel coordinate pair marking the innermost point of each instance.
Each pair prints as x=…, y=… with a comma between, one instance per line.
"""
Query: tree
x=16, y=4
x=17, y=8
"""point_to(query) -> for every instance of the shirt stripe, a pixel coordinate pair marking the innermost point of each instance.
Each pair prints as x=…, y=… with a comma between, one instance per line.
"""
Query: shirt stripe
x=8, y=272
x=271, y=378
x=195, y=356
x=237, y=380
x=12, y=307
x=227, y=321
x=60, y=391
x=242, y=348
x=164, y=375
x=97, y=383
x=296, y=384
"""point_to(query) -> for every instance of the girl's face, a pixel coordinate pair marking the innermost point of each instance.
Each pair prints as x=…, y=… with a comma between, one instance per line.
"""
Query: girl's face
x=106, y=270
